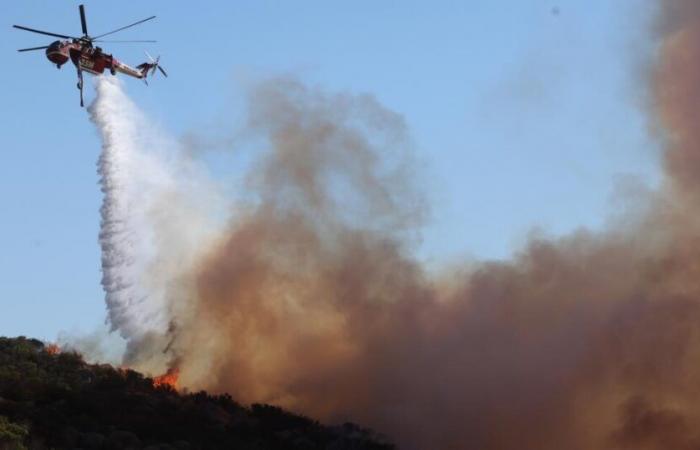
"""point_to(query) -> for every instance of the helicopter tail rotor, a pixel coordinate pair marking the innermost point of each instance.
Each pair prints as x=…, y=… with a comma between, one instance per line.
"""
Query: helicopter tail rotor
x=154, y=65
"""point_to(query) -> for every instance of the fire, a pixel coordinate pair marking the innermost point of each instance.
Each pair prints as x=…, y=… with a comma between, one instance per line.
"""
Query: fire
x=52, y=349
x=167, y=379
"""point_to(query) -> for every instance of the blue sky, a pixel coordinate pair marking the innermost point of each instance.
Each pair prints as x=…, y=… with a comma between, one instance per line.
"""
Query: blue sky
x=525, y=114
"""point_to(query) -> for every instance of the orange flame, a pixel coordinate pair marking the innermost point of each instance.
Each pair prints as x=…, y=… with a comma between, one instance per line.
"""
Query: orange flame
x=167, y=379
x=53, y=349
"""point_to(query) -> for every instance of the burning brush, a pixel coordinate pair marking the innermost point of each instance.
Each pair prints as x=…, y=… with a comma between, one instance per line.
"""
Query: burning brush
x=169, y=378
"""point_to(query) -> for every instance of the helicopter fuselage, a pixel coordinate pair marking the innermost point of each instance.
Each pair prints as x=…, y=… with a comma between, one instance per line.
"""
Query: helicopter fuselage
x=90, y=59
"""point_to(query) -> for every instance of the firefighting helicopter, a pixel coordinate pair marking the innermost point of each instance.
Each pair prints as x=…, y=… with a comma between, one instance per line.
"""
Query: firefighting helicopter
x=89, y=58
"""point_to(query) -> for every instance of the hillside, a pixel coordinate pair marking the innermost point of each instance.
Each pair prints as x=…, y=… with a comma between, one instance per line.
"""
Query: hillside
x=56, y=400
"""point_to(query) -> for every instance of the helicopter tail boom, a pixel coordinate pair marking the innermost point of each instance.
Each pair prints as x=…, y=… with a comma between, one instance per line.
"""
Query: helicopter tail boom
x=142, y=71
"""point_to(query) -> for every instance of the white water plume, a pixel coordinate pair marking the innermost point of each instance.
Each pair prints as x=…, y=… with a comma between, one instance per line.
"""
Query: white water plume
x=147, y=185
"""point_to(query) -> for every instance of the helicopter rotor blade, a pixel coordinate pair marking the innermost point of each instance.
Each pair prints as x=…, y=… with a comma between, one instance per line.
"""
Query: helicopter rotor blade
x=123, y=42
x=43, y=32
x=162, y=71
x=83, y=22
x=125, y=27
x=33, y=48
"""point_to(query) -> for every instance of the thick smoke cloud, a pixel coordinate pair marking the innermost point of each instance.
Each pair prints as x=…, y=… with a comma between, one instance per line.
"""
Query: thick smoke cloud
x=676, y=93
x=310, y=296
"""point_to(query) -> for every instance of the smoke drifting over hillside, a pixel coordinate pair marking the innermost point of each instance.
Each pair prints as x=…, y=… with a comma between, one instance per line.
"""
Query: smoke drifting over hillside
x=309, y=296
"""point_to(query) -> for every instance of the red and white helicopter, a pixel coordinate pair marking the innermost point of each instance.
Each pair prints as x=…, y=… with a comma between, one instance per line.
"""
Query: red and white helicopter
x=89, y=58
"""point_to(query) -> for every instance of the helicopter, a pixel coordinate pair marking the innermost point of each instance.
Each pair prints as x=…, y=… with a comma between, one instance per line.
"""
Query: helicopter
x=90, y=58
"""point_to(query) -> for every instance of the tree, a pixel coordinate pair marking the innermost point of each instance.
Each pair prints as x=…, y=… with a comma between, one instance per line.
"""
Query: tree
x=12, y=435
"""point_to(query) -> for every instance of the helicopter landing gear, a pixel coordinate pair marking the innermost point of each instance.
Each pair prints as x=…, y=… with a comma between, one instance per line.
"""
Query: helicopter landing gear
x=80, y=85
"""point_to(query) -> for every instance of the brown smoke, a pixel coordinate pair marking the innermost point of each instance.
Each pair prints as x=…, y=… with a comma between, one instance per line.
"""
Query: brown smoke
x=313, y=300
x=676, y=93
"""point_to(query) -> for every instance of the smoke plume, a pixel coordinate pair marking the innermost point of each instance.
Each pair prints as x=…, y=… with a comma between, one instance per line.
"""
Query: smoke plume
x=310, y=296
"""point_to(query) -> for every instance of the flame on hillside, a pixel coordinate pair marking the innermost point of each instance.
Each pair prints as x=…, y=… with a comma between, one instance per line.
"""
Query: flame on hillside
x=167, y=379
x=52, y=349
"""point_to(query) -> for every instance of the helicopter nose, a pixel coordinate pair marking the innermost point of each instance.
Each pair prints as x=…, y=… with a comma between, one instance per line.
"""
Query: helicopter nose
x=55, y=55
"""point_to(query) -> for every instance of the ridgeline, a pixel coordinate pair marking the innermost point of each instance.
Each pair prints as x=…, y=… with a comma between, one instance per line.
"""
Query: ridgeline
x=55, y=400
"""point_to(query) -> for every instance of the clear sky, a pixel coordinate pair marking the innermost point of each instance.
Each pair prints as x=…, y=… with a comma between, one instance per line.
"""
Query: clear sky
x=525, y=114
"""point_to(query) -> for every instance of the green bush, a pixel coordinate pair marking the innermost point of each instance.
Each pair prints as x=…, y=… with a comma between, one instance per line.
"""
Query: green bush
x=12, y=435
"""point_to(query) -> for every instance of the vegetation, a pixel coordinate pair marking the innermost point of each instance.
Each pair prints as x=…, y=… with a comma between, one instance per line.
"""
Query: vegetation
x=54, y=400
